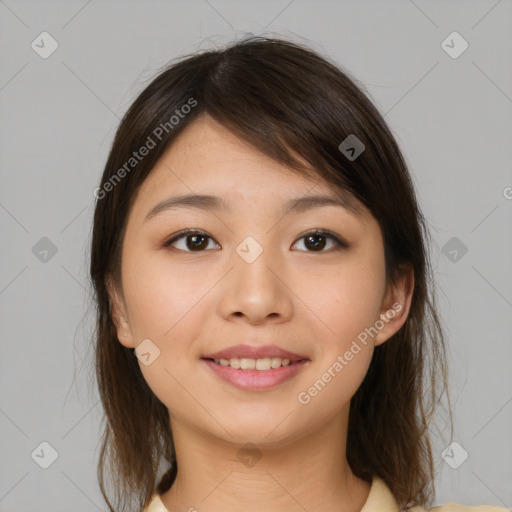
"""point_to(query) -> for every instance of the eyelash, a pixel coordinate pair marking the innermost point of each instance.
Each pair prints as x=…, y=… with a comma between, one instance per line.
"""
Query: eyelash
x=340, y=244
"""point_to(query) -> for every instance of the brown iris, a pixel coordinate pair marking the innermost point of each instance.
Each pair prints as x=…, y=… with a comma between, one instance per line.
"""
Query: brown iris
x=198, y=242
x=315, y=245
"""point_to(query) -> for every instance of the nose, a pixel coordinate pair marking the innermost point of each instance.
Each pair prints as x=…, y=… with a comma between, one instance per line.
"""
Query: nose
x=256, y=291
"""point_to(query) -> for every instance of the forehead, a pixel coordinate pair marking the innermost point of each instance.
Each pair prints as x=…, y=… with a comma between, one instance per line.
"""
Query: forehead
x=206, y=159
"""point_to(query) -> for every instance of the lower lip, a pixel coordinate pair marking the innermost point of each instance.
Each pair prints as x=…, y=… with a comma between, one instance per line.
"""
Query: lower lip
x=256, y=380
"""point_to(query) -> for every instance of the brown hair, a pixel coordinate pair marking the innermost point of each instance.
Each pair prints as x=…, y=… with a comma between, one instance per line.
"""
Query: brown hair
x=282, y=98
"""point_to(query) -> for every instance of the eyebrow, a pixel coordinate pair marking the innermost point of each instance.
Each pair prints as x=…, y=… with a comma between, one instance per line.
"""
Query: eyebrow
x=295, y=204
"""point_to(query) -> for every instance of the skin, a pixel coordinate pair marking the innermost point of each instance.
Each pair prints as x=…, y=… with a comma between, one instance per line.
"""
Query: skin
x=193, y=302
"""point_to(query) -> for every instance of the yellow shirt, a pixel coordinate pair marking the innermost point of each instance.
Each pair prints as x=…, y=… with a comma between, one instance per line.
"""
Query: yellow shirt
x=379, y=499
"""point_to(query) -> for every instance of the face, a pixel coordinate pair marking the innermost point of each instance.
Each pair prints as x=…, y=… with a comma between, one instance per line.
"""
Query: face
x=253, y=273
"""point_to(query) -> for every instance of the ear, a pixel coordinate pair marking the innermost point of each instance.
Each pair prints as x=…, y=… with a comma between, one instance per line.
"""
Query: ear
x=396, y=305
x=119, y=316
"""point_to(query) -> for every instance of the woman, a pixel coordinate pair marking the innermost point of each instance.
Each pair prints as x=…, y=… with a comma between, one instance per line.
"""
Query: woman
x=267, y=335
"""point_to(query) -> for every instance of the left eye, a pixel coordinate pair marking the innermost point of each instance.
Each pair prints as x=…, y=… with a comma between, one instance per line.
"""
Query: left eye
x=197, y=241
x=316, y=239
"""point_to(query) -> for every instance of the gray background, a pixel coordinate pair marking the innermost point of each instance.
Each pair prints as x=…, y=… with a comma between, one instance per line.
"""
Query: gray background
x=452, y=118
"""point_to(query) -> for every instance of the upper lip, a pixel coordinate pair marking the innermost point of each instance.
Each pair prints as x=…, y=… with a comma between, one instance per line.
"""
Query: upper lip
x=253, y=352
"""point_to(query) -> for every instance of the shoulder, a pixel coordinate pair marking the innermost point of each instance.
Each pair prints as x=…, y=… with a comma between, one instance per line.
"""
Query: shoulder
x=155, y=505
x=459, y=507
x=381, y=499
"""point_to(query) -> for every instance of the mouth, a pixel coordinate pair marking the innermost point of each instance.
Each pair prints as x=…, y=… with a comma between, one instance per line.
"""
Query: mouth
x=255, y=367
x=255, y=374
x=260, y=364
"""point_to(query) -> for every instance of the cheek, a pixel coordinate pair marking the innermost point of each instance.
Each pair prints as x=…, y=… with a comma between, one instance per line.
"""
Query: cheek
x=164, y=306
x=347, y=302
x=162, y=297
x=357, y=307
x=337, y=381
x=346, y=299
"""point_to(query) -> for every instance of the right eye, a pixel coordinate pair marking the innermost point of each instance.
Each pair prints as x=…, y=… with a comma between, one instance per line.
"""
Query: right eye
x=195, y=241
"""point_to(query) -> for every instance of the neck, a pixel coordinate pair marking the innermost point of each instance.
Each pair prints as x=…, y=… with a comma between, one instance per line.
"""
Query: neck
x=306, y=473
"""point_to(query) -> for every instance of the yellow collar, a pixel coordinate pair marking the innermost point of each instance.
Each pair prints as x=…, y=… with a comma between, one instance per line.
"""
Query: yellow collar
x=379, y=499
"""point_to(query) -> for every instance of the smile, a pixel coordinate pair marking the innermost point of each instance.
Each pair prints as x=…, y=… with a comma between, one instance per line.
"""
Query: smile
x=246, y=363
x=255, y=374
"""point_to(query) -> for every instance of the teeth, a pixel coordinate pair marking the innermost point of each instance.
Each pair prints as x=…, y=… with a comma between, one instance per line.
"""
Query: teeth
x=250, y=364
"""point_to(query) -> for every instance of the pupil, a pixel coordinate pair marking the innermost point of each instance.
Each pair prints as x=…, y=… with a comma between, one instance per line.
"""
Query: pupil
x=195, y=238
x=316, y=245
